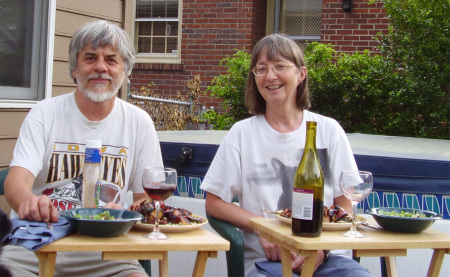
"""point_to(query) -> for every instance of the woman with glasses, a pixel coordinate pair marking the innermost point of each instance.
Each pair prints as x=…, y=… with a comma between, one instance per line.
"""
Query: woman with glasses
x=259, y=156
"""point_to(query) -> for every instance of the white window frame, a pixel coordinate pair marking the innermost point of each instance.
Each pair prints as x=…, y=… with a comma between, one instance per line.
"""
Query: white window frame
x=159, y=57
x=42, y=59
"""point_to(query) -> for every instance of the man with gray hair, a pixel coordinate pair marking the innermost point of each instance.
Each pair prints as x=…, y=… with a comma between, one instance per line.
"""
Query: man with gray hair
x=45, y=173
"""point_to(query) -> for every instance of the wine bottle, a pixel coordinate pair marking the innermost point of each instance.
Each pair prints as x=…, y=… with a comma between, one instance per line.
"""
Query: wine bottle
x=307, y=197
x=92, y=174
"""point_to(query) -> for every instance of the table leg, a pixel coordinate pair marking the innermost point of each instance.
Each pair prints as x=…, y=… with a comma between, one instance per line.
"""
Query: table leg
x=164, y=265
x=391, y=266
x=309, y=264
x=286, y=262
x=200, y=262
x=46, y=263
x=436, y=263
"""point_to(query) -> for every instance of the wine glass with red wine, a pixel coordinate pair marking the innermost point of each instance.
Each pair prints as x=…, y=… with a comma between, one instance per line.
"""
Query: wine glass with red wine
x=159, y=183
x=356, y=186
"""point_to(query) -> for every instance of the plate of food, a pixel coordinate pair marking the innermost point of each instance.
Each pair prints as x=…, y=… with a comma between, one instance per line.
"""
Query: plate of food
x=171, y=228
x=172, y=219
x=334, y=218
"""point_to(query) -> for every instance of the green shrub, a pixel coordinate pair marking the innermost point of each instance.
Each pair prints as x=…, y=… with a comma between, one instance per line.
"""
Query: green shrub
x=417, y=49
x=349, y=88
x=231, y=88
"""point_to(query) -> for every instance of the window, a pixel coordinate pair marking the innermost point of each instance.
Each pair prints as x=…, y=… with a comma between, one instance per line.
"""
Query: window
x=301, y=20
x=23, y=38
x=158, y=30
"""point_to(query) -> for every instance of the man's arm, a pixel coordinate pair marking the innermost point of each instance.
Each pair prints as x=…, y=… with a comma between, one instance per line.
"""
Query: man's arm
x=18, y=185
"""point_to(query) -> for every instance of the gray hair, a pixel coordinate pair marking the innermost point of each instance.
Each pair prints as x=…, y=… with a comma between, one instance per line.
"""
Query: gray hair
x=99, y=34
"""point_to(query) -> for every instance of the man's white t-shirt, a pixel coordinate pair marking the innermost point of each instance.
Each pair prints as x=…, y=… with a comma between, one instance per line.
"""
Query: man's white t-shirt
x=257, y=164
x=51, y=146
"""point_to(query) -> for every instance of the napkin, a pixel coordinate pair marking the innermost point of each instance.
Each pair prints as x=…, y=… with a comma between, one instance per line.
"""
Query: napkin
x=271, y=269
x=34, y=235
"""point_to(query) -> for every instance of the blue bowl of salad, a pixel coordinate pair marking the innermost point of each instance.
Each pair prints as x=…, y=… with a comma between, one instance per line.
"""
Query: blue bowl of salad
x=404, y=220
x=99, y=222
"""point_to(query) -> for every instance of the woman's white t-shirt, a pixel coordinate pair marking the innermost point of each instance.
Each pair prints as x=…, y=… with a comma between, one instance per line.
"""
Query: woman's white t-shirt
x=257, y=164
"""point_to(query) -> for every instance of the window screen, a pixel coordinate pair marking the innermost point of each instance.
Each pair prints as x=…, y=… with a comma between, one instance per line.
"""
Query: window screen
x=301, y=19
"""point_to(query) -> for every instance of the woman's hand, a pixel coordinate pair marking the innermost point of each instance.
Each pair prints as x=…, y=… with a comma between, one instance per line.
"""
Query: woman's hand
x=298, y=260
x=271, y=250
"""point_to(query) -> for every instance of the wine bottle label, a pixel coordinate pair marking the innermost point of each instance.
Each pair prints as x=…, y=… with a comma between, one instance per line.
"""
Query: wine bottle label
x=302, y=204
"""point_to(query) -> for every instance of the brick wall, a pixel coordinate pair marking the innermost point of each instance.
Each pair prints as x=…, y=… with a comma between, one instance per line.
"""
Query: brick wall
x=213, y=29
x=352, y=31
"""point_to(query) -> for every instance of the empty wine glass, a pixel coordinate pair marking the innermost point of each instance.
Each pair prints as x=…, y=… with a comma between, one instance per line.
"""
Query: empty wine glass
x=159, y=183
x=356, y=186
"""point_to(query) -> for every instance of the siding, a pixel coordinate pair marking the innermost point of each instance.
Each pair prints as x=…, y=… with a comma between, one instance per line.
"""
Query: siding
x=9, y=130
x=68, y=17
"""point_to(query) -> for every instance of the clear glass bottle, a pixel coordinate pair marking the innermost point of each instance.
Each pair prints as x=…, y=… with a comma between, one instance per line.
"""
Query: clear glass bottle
x=308, y=194
x=92, y=171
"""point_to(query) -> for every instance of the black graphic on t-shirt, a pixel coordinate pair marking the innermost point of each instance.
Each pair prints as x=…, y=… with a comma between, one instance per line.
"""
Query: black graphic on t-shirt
x=286, y=176
x=65, y=174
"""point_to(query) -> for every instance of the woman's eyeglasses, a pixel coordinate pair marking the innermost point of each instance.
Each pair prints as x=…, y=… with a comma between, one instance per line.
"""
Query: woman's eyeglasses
x=280, y=67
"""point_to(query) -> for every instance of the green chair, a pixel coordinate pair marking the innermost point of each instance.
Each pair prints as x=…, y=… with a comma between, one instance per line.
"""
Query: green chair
x=3, y=174
x=4, y=206
x=235, y=256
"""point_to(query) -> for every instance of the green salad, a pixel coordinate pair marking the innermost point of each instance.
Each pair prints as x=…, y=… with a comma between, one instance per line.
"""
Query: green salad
x=101, y=216
x=413, y=214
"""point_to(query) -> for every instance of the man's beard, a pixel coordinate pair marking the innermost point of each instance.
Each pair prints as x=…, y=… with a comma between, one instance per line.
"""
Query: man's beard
x=99, y=92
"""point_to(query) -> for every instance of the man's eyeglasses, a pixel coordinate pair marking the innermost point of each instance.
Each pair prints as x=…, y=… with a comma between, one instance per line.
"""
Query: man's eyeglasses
x=280, y=67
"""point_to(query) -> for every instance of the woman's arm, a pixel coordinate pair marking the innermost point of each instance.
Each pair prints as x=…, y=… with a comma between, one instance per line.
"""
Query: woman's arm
x=344, y=203
x=229, y=212
x=240, y=218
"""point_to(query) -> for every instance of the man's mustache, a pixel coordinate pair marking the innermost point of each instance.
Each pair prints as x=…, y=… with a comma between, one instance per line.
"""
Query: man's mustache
x=99, y=76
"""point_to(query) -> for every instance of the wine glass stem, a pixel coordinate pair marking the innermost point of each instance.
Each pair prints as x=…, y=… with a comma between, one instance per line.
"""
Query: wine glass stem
x=355, y=208
x=157, y=217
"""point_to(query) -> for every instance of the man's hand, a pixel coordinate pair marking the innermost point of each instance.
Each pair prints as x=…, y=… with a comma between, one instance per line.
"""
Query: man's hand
x=39, y=209
x=112, y=205
x=271, y=250
x=141, y=197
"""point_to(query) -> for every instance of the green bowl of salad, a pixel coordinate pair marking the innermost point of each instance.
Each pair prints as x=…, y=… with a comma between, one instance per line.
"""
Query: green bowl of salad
x=404, y=220
x=99, y=222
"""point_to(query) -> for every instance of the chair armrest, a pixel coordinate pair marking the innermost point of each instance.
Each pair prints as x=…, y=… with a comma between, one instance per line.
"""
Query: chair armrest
x=147, y=266
x=235, y=256
x=3, y=173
